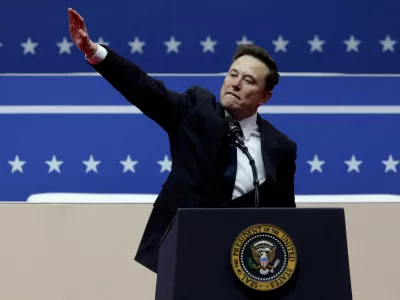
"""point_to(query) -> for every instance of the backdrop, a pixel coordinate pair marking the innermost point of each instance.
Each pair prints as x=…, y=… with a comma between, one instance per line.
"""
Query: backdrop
x=305, y=36
x=64, y=129
x=57, y=137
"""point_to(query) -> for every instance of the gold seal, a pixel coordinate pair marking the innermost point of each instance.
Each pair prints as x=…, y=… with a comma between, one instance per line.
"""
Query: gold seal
x=263, y=257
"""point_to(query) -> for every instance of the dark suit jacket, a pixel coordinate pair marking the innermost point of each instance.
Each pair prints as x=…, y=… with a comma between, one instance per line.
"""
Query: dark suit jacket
x=194, y=123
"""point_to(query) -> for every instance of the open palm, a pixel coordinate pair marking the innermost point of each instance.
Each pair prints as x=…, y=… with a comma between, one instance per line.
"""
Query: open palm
x=79, y=33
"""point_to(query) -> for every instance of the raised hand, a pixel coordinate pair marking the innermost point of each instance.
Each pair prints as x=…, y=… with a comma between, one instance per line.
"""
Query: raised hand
x=79, y=33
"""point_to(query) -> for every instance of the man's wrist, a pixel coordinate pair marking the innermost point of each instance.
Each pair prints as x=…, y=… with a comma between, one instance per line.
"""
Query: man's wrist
x=92, y=51
x=98, y=56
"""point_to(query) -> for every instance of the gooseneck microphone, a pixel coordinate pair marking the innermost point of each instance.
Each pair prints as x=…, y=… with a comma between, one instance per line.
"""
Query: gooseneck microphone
x=235, y=131
x=236, y=134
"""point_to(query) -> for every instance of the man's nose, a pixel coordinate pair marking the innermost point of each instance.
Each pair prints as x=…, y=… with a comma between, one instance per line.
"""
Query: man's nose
x=236, y=83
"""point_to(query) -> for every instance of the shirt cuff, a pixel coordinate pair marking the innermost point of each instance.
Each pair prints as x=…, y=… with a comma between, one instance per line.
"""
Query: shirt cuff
x=98, y=57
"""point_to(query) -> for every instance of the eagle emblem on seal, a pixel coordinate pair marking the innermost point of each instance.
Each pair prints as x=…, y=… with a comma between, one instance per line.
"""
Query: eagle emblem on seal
x=263, y=257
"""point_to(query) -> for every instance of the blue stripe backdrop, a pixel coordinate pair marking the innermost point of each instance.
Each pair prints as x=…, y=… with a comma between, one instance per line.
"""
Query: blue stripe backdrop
x=225, y=22
x=308, y=36
x=72, y=138
x=70, y=90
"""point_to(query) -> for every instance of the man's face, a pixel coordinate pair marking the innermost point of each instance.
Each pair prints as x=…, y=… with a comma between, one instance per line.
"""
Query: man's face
x=243, y=90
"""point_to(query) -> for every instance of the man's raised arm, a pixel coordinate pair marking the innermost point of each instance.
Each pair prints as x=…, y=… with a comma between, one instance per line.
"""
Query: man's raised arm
x=148, y=94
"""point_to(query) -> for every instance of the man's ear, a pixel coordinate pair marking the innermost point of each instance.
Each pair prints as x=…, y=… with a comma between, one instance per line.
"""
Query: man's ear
x=266, y=96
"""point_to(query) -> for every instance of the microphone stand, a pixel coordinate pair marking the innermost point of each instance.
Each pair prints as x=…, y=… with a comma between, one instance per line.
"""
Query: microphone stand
x=256, y=183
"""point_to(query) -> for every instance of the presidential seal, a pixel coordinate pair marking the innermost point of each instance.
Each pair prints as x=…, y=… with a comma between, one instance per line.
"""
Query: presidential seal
x=263, y=257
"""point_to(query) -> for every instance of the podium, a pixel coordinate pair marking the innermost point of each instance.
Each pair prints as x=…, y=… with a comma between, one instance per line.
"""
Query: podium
x=255, y=253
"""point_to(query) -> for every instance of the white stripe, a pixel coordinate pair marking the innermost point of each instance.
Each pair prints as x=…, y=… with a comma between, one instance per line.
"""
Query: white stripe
x=69, y=109
x=150, y=198
x=91, y=74
x=110, y=200
x=346, y=199
x=294, y=74
x=222, y=74
x=329, y=109
x=130, y=109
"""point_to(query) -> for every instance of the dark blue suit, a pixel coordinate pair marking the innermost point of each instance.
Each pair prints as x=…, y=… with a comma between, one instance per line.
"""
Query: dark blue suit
x=194, y=122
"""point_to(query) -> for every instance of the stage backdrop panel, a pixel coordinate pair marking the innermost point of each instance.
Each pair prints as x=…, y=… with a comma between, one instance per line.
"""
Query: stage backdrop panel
x=77, y=134
x=200, y=36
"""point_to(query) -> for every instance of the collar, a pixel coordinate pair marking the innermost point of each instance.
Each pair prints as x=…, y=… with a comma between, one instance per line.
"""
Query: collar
x=248, y=125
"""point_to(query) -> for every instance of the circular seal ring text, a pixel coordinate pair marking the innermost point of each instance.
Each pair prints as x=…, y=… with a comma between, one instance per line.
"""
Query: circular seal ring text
x=263, y=257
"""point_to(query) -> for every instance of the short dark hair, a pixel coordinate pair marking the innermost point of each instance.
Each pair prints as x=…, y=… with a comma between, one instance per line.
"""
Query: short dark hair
x=272, y=78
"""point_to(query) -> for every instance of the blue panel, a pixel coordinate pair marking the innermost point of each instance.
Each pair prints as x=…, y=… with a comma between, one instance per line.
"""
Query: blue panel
x=110, y=138
x=190, y=22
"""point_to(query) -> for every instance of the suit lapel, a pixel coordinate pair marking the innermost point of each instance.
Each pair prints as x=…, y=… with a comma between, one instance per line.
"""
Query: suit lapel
x=268, y=144
x=216, y=145
x=219, y=142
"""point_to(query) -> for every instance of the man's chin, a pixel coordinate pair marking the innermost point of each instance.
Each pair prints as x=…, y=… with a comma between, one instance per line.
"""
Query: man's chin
x=229, y=103
x=232, y=105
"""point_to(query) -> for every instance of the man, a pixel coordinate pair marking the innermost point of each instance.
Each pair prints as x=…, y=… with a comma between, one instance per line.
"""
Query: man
x=200, y=147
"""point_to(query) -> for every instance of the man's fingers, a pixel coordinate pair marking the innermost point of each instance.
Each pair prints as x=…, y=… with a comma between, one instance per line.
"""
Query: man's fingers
x=72, y=18
x=78, y=30
x=71, y=14
x=84, y=37
x=75, y=19
x=77, y=16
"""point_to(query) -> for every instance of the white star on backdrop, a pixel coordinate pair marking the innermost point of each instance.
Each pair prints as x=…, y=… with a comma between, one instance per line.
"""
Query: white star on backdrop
x=54, y=164
x=388, y=44
x=208, y=44
x=17, y=164
x=101, y=41
x=352, y=44
x=29, y=46
x=316, y=164
x=136, y=45
x=165, y=164
x=1, y=45
x=244, y=41
x=353, y=164
x=280, y=44
x=172, y=45
x=316, y=44
x=390, y=164
x=65, y=46
x=91, y=164
x=129, y=164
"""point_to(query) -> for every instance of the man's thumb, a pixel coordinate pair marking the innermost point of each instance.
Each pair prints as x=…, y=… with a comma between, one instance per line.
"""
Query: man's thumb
x=84, y=35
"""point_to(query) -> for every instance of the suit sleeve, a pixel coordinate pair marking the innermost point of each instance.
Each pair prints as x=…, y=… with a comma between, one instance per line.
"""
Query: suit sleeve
x=149, y=95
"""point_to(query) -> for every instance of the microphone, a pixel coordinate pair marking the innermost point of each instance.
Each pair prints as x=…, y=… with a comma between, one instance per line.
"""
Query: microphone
x=234, y=130
x=236, y=133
